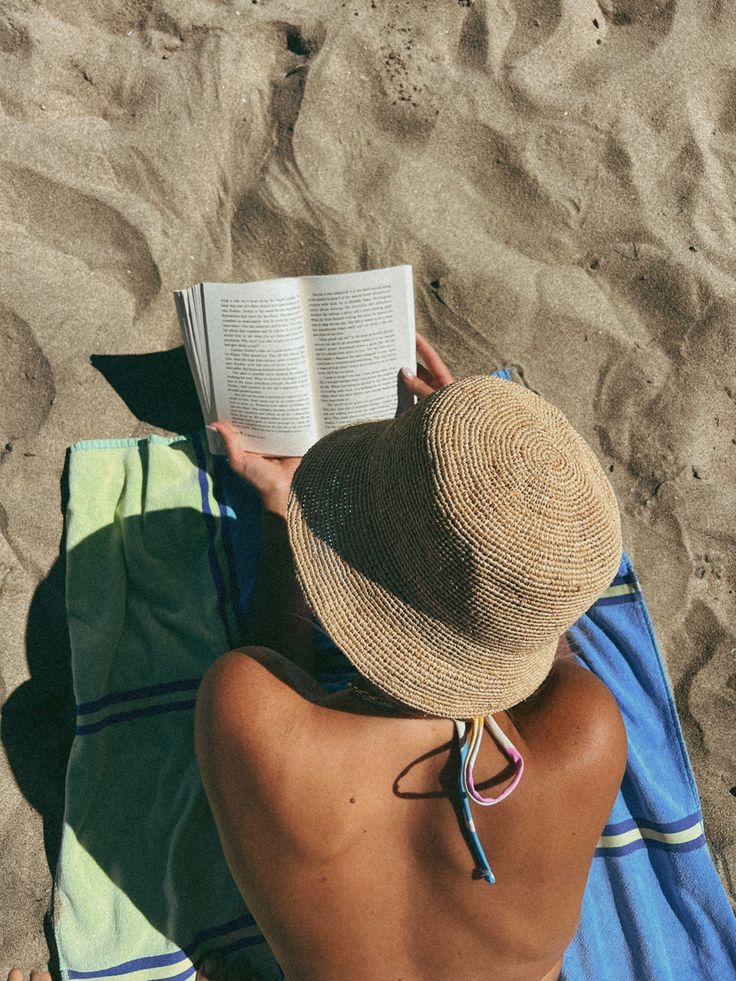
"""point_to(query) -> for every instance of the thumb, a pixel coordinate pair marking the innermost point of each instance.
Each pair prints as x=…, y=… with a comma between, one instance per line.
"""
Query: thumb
x=231, y=439
x=252, y=467
x=415, y=385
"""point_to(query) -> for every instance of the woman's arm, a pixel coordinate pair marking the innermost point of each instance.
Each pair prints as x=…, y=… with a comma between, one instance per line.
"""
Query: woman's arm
x=279, y=614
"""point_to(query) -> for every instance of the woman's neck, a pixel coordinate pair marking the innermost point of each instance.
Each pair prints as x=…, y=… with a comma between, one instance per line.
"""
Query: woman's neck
x=368, y=695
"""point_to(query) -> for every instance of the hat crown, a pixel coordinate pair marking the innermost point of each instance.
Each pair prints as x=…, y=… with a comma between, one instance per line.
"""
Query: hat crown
x=498, y=514
x=447, y=550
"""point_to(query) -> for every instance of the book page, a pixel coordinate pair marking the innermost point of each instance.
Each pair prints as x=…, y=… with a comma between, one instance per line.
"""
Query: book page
x=259, y=364
x=199, y=339
x=199, y=371
x=362, y=332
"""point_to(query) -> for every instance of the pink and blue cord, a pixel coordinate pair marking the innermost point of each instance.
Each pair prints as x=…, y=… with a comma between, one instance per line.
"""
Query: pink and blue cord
x=469, y=749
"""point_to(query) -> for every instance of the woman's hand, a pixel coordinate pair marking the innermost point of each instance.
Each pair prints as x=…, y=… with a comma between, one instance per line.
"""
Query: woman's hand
x=270, y=475
x=431, y=376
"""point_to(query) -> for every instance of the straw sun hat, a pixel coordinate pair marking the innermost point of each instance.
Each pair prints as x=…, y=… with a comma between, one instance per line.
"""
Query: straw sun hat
x=446, y=551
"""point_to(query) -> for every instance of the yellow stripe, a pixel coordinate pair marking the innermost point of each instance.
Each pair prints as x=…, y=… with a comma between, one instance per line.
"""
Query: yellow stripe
x=624, y=587
x=671, y=838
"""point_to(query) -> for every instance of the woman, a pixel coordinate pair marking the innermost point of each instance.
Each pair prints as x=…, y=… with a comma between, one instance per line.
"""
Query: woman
x=445, y=552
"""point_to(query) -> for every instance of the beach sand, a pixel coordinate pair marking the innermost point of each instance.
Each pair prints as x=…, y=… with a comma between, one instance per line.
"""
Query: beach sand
x=561, y=178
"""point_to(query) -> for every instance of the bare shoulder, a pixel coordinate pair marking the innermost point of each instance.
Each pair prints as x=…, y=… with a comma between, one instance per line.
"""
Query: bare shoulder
x=576, y=744
x=260, y=672
x=248, y=703
x=576, y=715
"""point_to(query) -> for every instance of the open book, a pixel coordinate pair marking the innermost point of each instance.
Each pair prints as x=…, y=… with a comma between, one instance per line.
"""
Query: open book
x=288, y=360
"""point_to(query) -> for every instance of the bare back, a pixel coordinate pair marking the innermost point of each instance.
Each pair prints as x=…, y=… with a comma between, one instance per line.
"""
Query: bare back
x=342, y=831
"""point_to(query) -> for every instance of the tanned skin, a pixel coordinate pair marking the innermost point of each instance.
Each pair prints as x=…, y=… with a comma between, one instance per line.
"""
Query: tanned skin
x=339, y=820
x=340, y=824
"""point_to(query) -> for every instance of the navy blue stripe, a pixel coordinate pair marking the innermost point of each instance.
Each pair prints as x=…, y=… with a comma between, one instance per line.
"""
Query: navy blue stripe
x=226, y=949
x=158, y=960
x=212, y=529
x=257, y=938
x=217, y=931
x=132, y=694
x=161, y=960
x=667, y=827
x=87, y=730
x=638, y=843
x=226, y=526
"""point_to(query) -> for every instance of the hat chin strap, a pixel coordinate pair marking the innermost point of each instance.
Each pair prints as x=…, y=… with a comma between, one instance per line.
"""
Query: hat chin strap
x=469, y=749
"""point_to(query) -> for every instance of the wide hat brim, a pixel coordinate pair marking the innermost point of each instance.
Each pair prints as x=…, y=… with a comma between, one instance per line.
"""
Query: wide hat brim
x=351, y=578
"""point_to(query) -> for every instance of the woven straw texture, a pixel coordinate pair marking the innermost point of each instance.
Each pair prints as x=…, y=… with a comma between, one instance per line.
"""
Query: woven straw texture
x=447, y=550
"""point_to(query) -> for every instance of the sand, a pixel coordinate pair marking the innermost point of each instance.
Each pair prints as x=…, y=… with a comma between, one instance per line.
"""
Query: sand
x=561, y=178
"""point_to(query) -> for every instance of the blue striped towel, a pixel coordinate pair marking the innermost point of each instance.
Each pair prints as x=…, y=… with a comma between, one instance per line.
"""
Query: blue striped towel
x=162, y=542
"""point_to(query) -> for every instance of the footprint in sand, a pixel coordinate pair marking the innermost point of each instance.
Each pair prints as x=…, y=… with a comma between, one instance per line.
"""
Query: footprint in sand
x=673, y=299
x=583, y=42
x=14, y=35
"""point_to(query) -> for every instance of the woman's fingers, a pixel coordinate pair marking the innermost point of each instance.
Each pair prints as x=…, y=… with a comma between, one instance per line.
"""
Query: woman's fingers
x=441, y=374
x=270, y=475
x=430, y=376
x=230, y=438
x=253, y=467
x=424, y=374
x=415, y=385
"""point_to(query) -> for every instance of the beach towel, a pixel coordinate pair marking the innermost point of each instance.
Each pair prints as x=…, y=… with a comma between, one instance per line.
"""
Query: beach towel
x=162, y=542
